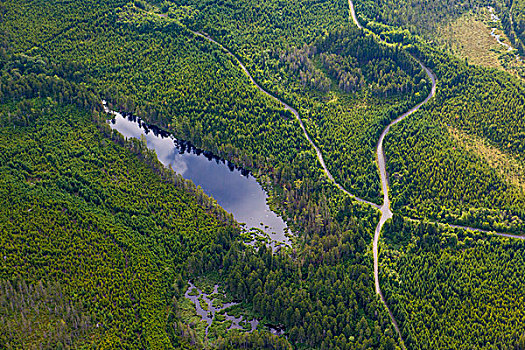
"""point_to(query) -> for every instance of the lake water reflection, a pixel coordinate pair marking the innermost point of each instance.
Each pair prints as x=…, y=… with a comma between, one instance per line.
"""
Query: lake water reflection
x=233, y=188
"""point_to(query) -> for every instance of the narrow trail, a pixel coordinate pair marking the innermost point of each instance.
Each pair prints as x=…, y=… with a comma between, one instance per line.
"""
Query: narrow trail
x=294, y=112
x=468, y=228
x=352, y=13
x=386, y=212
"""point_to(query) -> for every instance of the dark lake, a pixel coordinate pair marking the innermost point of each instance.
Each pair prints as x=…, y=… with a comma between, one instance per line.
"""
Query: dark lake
x=235, y=189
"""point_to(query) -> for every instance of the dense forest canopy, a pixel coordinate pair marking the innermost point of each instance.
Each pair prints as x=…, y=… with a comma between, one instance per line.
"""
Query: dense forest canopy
x=280, y=44
x=426, y=17
x=433, y=175
x=446, y=284
x=314, y=207
x=89, y=230
x=99, y=240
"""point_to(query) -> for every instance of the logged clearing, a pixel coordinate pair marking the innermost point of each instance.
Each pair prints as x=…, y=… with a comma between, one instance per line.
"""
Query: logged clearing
x=470, y=38
x=509, y=168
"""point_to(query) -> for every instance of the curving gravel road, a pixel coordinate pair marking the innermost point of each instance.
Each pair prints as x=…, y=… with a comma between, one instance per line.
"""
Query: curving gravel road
x=386, y=212
x=352, y=13
x=294, y=112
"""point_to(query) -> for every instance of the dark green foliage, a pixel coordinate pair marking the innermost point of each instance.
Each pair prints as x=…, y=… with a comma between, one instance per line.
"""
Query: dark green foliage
x=163, y=81
x=514, y=23
x=299, y=55
x=420, y=17
x=254, y=341
x=431, y=174
x=80, y=210
x=88, y=214
x=82, y=207
x=450, y=289
x=321, y=296
x=168, y=76
x=436, y=177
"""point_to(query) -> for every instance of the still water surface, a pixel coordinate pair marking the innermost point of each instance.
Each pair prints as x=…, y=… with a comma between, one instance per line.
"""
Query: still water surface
x=233, y=188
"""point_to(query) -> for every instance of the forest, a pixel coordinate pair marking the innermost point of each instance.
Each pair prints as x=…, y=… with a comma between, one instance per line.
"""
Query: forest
x=142, y=83
x=446, y=284
x=425, y=17
x=99, y=240
x=513, y=21
x=87, y=186
x=95, y=231
x=333, y=117
x=426, y=162
x=311, y=202
x=419, y=17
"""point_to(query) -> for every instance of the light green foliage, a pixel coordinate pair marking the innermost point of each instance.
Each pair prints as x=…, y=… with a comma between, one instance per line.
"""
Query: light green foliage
x=298, y=51
x=40, y=314
x=450, y=289
x=120, y=234
x=84, y=212
x=420, y=17
x=433, y=175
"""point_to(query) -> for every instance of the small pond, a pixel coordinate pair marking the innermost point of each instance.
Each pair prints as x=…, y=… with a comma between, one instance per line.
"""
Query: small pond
x=234, y=188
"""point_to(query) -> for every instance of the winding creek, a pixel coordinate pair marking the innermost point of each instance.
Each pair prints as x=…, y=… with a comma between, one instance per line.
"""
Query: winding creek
x=495, y=18
x=235, y=199
x=386, y=212
x=208, y=310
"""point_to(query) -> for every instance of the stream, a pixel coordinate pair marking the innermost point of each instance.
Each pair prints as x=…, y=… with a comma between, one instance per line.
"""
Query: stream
x=495, y=18
x=207, y=313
